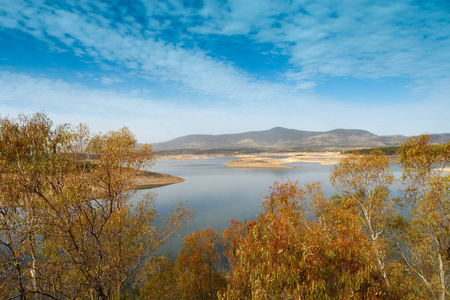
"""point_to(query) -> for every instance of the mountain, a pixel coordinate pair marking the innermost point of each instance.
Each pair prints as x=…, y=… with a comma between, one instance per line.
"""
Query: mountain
x=283, y=139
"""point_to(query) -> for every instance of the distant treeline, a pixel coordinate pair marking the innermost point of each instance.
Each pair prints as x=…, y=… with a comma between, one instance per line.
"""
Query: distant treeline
x=385, y=150
x=236, y=151
x=220, y=151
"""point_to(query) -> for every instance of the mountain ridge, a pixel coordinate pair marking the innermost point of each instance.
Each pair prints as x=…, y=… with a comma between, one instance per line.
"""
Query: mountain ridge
x=285, y=139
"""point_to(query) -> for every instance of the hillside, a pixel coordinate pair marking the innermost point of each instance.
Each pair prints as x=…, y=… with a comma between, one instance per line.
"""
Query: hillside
x=282, y=139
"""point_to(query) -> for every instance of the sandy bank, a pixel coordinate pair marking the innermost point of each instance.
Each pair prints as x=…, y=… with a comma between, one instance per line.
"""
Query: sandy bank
x=323, y=158
x=149, y=180
x=255, y=161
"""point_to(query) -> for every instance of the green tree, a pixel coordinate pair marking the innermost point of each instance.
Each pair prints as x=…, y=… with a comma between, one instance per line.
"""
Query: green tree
x=70, y=228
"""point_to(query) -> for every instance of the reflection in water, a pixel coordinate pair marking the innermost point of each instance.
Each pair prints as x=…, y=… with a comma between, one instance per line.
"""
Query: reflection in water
x=219, y=194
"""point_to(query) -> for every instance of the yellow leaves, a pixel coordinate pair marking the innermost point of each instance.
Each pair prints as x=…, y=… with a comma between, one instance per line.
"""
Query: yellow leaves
x=427, y=192
x=196, y=274
x=73, y=214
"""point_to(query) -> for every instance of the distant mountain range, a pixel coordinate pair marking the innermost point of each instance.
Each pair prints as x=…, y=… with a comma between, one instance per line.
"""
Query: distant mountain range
x=283, y=139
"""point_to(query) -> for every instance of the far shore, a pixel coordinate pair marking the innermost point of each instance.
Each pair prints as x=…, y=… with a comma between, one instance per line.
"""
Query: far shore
x=270, y=160
x=261, y=160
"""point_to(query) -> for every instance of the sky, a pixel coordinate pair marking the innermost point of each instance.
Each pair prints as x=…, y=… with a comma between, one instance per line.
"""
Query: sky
x=171, y=68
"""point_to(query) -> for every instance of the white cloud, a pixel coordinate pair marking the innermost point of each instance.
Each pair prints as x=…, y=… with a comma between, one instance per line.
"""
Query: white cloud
x=156, y=119
x=323, y=39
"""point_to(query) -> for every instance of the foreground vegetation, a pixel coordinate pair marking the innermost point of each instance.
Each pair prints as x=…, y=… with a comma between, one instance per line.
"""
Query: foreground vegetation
x=69, y=230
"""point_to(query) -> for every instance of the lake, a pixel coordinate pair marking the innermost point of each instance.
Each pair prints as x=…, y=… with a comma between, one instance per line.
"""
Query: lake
x=220, y=194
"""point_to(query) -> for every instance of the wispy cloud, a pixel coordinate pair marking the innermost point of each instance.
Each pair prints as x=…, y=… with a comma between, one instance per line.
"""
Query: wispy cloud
x=323, y=39
x=90, y=33
x=344, y=38
x=108, y=80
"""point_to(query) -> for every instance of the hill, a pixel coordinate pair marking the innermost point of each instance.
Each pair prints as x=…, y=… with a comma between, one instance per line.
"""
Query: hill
x=282, y=139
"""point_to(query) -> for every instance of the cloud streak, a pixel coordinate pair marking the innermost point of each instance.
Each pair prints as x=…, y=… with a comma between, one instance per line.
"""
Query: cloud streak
x=155, y=120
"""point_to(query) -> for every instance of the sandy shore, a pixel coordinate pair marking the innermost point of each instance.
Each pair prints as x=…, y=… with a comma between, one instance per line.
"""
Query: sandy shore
x=149, y=180
x=323, y=158
x=255, y=161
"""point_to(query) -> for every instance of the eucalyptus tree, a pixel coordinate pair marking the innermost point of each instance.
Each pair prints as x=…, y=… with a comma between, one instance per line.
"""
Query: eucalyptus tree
x=364, y=181
x=199, y=266
x=301, y=246
x=69, y=228
x=426, y=242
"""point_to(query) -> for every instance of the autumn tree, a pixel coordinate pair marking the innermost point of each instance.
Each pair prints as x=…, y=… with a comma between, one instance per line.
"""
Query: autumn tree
x=200, y=273
x=197, y=272
x=158, y=279
x=27, y=149
x=364, y=180
x=301, y=246
x=426, y=240
x=70, y=227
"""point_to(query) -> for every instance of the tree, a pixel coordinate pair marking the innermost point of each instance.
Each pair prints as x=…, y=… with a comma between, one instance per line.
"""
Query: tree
x=199, y=266
x=426, y=242
x=158, y=279
x=27, y=148
x=196, y=274
x=301, y=246
x=70, y=227
x=365, y=180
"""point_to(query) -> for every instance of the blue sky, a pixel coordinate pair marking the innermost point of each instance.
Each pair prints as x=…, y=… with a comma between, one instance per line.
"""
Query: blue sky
x=171, y=68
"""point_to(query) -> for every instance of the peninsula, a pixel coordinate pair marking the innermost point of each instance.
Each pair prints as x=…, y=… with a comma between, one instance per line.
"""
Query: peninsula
x=149, y=180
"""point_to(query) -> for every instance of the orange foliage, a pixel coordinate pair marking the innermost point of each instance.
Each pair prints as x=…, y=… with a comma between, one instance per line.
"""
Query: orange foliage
x=301, y=246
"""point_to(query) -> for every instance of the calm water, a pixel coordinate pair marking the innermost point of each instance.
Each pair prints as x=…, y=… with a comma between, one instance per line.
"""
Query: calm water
x=219, y=194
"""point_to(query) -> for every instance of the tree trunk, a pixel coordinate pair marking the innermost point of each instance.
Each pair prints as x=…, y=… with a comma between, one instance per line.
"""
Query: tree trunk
x=442, y=277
